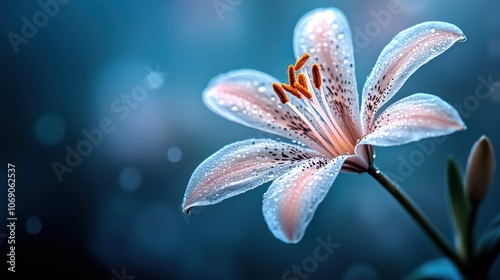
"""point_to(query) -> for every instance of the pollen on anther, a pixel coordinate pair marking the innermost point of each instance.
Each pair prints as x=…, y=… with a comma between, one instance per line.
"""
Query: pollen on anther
x=291, y=75
x=280, y=93
x=292, y=90
x=303, y=90
x=302, y=80
x=316, y=76
x=301, y=61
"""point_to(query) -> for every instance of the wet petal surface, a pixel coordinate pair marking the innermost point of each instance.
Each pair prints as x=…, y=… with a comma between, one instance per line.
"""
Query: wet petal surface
x=240, y=167
x=326, y=36
x=414, y=118
x=247, y=97
x=409, y=50
x=292, y=199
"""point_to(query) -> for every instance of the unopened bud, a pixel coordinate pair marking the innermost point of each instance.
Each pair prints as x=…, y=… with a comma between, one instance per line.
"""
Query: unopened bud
x=480, y=169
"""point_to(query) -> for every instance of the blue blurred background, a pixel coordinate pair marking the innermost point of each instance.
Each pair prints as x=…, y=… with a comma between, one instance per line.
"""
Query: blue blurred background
x=118, y=209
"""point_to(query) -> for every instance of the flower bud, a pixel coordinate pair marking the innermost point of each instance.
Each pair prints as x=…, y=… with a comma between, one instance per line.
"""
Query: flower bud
x=480, y=169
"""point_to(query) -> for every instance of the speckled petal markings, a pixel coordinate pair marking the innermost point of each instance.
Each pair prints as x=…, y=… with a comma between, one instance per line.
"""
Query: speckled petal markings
x=409, y=50
x=414, y=118
x=326, y=36
x=246, y=97
x=240, y=167
x=292, y=199
x=318, y=107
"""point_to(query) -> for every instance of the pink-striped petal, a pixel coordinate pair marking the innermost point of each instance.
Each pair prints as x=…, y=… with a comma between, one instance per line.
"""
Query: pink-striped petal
x=247, y=97
x=292, y=199
x=414, y=118
x=326, y=36
x=240, y=167
x=409, y=50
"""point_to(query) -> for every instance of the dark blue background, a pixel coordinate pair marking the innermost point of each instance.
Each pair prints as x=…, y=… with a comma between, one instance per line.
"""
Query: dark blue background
x=119, y=208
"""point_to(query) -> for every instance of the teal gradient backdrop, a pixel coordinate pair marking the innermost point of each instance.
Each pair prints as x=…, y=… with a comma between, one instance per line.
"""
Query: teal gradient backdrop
x=125, y=78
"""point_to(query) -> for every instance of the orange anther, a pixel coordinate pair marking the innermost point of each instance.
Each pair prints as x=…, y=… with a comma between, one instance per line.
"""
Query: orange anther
x=302, y=80
x=291, y=75
x=301, y=61
x=316, y=76
x=292, y=90
x=280, y=93
x=303, y=90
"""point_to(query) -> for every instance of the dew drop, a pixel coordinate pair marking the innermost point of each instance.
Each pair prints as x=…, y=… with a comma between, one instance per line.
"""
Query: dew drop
x=433, y=30
x=335, y=26
x=234, y=108
x=340, y=35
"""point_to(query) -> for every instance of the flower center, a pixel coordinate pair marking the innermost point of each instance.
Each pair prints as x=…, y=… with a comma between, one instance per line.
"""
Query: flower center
x=317, y=115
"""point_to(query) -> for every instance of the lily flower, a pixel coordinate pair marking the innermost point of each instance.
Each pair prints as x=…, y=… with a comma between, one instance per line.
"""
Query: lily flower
x=318, y=109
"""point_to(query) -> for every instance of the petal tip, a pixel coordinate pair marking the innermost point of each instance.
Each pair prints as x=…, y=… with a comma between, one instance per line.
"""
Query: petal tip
x=186, y=208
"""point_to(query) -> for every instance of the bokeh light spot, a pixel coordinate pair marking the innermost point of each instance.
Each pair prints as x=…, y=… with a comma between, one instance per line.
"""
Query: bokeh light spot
x=33, y=225
x=130, y=179
x=49, y=129
x=174, y=154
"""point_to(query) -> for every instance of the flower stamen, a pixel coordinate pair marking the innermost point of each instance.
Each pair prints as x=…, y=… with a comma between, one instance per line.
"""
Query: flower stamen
x=280, y=93
x=301, y=61
x=292, y=90
x=302, y=80
x=291, y=75
x=316, y=76
x=325, y=129
x=303, y=90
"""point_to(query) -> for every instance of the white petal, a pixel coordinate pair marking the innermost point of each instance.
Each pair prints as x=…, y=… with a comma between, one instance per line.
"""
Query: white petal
x=326, y=36
x=240, y=167
x=247, y=97
x=414, y=118
x=292, y=199
x=408, y=51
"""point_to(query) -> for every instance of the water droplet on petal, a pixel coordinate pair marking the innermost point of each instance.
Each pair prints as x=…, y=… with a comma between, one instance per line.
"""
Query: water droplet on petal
x=340, y=35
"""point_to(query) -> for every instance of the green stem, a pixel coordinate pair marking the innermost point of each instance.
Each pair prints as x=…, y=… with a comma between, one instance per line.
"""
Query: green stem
x=416, y=214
